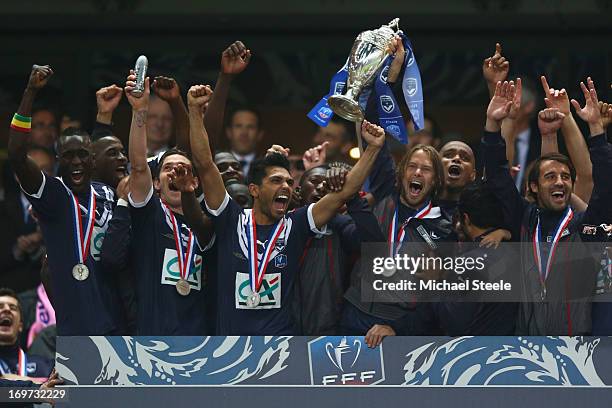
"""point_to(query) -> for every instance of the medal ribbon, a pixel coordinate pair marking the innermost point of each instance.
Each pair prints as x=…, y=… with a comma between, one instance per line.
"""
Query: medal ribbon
x=83, y=240
x=257, y=270
x=184, y=255
x=22, y=363
x=397, y=234
x=537, y=239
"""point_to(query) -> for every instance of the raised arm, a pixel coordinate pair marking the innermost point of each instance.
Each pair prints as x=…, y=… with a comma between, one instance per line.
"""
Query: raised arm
x=508, y=127
x=599, y=210
x=212, y=183
x=168, y=90
x=574, y=140
x=549, y=122
x=141, y=182
x=115, y=252
x=495, y=69
x=234, y=60
x=107, y=100
x=327, y=206
x=496, y=164
x=30, y=177
x=606, y=113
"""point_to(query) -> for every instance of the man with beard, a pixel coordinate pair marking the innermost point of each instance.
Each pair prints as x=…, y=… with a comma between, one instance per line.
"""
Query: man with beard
x=13, y=360
x=264, y=244
x=406, y=216
x=73, y=213
x=479, y=213
x=166, y=255
x=557, y=287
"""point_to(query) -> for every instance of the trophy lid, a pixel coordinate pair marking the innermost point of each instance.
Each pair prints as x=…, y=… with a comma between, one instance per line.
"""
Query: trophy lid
x=381, y=36
x=394, y=24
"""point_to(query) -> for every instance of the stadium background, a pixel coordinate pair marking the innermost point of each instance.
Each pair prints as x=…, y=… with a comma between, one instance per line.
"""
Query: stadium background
x=297, y=46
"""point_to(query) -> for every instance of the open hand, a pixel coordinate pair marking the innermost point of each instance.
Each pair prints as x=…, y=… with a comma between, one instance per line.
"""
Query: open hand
x=235, y=58
x=590, y=113
x=181, y=178
x=502, y=100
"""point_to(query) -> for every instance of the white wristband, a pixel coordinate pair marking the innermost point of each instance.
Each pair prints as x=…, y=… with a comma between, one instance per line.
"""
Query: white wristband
x=122, y=202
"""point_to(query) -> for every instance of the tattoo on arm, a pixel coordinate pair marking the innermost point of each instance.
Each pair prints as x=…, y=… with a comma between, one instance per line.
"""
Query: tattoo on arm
x=141, y=118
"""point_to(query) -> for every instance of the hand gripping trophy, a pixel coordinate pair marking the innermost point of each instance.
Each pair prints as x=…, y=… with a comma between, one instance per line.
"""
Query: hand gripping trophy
x=367, y=56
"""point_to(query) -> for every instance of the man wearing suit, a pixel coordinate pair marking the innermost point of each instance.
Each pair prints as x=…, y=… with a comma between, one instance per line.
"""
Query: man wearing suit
x=21, y=245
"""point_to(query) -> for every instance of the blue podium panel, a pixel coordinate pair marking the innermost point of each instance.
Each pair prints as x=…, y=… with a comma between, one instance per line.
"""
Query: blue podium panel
x=336, y=361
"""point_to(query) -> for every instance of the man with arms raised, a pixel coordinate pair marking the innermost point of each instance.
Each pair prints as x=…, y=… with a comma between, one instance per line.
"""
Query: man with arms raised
x=557, y=286
x=72, y=211
x=166, y=255
x=263, y=245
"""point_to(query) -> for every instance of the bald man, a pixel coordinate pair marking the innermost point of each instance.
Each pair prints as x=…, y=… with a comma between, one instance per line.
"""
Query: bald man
x=459, y=171
x=110, y=161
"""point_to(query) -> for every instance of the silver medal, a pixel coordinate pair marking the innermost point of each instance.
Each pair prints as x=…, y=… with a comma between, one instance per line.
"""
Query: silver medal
x=182, y=287
x=253, y=300
x=80, y=272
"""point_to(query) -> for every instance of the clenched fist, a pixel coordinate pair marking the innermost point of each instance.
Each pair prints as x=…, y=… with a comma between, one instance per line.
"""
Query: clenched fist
x=199, y=96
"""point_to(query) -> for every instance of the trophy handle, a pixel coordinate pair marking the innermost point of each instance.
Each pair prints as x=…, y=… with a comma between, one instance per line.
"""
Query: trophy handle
x=394, y=24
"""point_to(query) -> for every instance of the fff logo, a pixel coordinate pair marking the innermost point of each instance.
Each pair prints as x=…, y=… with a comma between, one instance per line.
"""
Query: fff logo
x=342, y=360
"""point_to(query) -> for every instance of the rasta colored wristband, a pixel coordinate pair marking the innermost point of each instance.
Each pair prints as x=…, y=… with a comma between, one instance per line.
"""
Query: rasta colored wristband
x=21, y=123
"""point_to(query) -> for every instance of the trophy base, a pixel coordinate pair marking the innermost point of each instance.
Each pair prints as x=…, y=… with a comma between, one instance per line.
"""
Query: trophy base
x=346, y=108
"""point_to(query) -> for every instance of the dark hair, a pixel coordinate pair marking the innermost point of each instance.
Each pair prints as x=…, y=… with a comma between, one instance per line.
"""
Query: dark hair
x=310, y=170
x=72, y=131
x=534, y=174
x=170, y=152
x=219, y=152
x=436, y=161
x=11, y=293
x=244, y=108
x=259, y=167
x=349, y=128
x=52, y=111
x=481, y=205
x=436, y=131
x=39, y=148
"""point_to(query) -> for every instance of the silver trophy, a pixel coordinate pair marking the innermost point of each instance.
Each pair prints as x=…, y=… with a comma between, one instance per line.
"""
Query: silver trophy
x=369, y=51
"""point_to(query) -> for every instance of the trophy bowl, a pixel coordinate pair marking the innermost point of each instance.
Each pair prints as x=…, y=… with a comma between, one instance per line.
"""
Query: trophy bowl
x=368, y=54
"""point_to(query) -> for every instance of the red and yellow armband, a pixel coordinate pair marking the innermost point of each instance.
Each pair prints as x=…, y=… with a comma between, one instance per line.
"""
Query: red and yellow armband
x=21, y=123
